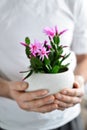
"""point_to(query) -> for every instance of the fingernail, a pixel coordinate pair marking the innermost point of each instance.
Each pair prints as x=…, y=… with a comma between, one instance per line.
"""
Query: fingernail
x=45, y=92
x=51, y=100
x=64, y=92
x=59, y=97
x=24, y=85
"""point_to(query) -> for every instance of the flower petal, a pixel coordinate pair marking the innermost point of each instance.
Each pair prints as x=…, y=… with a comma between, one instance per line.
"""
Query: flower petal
x=24, y=44
x=63, y=32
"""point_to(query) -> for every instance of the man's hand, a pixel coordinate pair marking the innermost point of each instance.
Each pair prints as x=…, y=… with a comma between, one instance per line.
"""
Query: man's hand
x=69, y=97
x=31, y=101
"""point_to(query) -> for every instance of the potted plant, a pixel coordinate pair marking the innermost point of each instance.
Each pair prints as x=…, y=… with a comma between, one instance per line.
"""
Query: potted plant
x=47, y=68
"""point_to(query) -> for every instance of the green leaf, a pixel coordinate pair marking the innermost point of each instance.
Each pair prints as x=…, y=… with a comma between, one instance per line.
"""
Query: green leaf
x=56, y=39
x=65, y=57
x=27, y=40
x=29, y=74
x=46, y=61
x=53, y=46
x=47, y=68
x=36, y=64
x=55, y=69
x=60, y=50
x=27, y=49
x=63, y=68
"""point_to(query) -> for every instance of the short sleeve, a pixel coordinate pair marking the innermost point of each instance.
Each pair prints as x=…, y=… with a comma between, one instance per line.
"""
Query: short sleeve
x=79, y=43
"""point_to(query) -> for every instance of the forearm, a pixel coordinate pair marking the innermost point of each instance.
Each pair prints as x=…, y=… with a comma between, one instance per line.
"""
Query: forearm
x=81, y=68
x=4, y=88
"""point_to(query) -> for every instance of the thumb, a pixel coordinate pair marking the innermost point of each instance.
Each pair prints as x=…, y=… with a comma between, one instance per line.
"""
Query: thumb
x=79, y=81
x=76, y=84
x=20, y=86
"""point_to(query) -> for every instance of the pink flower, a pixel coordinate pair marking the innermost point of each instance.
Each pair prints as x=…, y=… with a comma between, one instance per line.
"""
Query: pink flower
x=43, y=53
x=35, y=47
x=49, y=31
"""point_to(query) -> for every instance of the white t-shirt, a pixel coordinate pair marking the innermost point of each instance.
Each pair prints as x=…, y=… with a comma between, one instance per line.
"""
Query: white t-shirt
x=21, y=18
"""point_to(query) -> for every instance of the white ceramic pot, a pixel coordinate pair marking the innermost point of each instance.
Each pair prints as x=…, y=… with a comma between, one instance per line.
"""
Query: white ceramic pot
x=52, y=82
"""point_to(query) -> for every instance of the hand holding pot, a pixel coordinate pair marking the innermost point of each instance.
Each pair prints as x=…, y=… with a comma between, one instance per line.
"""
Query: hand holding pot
x=68, y=97
x=31, y=101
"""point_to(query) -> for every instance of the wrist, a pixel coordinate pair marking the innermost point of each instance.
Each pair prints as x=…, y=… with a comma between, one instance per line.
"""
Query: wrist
x=8, y=84
x=4, y=88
